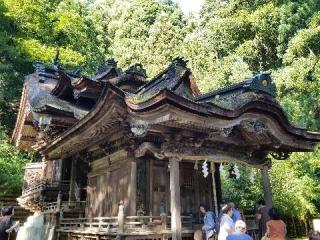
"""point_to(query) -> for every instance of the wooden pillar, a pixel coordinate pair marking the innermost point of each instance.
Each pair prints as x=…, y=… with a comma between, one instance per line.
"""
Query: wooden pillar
x=214, y=189
x=175, y=199
x=218, y=183
x=150, y=178
x=72, y=182
x=266, y=185
x=132, y=190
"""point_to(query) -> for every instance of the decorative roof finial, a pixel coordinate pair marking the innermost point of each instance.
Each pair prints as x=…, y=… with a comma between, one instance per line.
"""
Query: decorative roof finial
x=137, y=69
x=111, y=63
x=262, y=82
x=179, y=61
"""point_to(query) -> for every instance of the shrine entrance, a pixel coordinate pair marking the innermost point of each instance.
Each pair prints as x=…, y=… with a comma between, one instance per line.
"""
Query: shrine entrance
x=194, y=188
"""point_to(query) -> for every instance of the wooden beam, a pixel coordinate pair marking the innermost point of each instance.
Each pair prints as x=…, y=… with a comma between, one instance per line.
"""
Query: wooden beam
x=175, y=199
x=267, y=192
x=28, y=138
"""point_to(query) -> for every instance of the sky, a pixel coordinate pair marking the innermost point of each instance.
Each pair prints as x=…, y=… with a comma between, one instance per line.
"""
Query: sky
x=188, y=6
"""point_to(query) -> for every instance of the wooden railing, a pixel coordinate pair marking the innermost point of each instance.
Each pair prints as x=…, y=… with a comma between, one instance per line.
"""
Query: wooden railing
x=38, y=165
x=54, y=206
x=129, y=224
x=36, y=188
x=43, y=185
x=251, y=221
x=99, y=224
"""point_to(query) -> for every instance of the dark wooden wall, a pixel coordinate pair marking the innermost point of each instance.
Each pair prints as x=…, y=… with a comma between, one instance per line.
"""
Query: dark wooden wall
x=109, y=185
x=106, y=189
x=194, y=188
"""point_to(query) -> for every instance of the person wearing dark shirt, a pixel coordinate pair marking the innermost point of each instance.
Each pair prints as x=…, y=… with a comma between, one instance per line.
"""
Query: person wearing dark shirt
x=235, y=213
x=6, y=223
x=263, y=217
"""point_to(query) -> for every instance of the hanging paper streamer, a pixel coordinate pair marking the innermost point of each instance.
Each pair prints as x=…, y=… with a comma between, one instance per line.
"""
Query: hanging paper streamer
x=221, y=168
x=205, y=169
x=236, y=171
x=252, y=177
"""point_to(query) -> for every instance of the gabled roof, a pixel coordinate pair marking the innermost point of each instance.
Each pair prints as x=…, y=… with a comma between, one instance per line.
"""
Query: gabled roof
x=176, y=78
x=99, y=105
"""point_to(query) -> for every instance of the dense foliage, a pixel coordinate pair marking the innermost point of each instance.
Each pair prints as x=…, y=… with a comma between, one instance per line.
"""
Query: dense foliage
x=12, y=162
x=227, y=42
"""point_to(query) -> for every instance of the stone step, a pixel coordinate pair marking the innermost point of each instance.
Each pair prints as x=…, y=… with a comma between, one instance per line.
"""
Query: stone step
x=21, y=214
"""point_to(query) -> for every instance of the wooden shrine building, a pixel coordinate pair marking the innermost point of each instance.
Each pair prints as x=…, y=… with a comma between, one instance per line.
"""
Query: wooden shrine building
x=122, y=156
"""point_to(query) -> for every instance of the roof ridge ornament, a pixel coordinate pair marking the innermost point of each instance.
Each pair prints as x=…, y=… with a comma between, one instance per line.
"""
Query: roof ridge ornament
x=262, y=82
x=179, y=61
x=104, y=67
x=137, y=69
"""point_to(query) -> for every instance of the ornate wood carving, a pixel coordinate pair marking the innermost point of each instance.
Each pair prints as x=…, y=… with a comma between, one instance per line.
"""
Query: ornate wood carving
x=280, y=155
x=32, y=174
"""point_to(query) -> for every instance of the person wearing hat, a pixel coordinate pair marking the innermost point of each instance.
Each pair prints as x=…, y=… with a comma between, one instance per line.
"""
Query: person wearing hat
x=240, y=232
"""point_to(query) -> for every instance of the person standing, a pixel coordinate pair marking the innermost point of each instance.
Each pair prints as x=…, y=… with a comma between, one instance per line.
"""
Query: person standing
x=6, y=223
x=240, y=232
x=235, y=213
x=263, y=217
x=209, y=222
x=276, y=228
x=226, y=223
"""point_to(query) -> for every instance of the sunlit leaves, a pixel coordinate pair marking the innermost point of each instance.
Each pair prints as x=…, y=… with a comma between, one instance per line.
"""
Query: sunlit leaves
x=12, y=163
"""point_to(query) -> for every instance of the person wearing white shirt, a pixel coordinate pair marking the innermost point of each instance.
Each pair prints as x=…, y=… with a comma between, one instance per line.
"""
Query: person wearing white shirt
x=226, y=223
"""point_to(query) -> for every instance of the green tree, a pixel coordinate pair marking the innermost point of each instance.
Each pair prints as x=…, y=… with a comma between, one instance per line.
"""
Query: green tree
x=145, y=31
x=234, y=39
x=34, y=30
x=12, y=162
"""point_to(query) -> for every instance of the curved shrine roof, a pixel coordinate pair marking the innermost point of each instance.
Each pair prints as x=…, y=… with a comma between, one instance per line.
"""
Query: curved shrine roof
x=72, y=109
